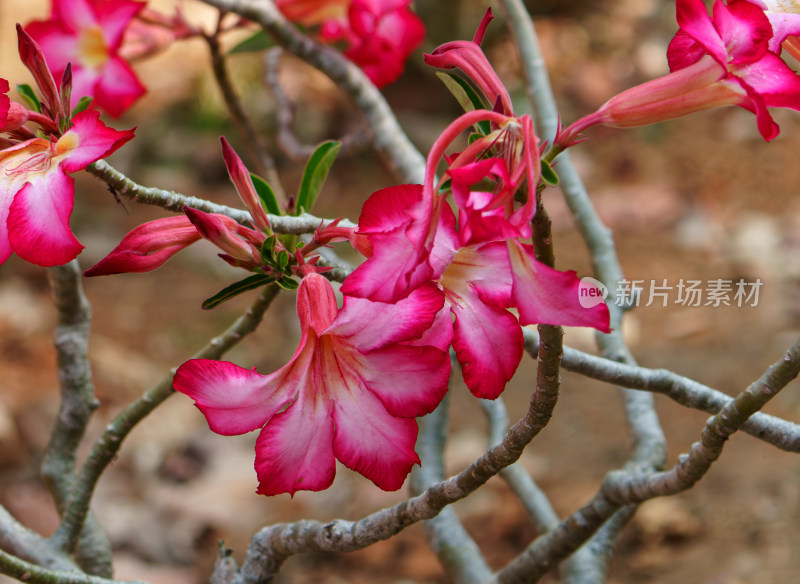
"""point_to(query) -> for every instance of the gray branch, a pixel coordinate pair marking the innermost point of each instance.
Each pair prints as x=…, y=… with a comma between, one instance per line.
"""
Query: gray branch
x=687, y=392
x=109, y=443
x=172, y=201
x=456, y=550
x=93, y=550
x=533, y=499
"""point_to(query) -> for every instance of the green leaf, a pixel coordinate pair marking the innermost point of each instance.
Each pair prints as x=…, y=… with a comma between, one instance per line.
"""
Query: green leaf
x=268, y=198
x=549, y=176
x=282, y=260
x=315, y=174
x=466, y=96
x=249, y=283
x=288, y=283
x=26, y=92
x=82, y=105
x=255, y=43
x=267, y=249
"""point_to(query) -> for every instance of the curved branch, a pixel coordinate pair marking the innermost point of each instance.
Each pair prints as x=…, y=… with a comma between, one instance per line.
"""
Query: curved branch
x=27, y=572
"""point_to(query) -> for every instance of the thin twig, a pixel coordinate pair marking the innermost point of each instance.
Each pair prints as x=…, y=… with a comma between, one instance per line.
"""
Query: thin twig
x=387, y=135
x=172, y=201
x=533, y=499
x=263, y=163
x=27, y=572
x=351, y=143
x=109, y=443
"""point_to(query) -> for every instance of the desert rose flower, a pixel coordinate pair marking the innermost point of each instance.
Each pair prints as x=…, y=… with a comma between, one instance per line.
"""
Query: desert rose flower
x=351, y=392
x=380, y=34
x=729, y=58
x=37, y=194
x=88, y=34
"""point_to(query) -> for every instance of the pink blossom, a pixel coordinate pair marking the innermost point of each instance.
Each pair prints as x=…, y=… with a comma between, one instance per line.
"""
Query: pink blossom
x=88, y=34
x=350, y=392
x=380, y=34
x=37, y=195
x=478, y=277
x=729, y=58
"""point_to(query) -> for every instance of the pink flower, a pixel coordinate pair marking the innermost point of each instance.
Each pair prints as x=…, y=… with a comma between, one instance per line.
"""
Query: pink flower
x=37, y=195
x=380, y=34
x=479, y=279
x=350, y=392
x=88, y=34
x=729, y=58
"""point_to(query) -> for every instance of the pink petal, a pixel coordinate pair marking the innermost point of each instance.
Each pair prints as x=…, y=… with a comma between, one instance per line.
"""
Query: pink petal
x=294, y=451
x=546, y=296
x=74, y=14
x=694, y=20
x=60, y=47
x=409, y=381
x=372, y=325
x=117, y=88
x=371, y=441
x=38, y=220
x=88, y=140
x=114, y=18
x=234, y=400
x=488, y=344
x=744, y=29
x=397, y=223
x=244, y=185
x=147, y=247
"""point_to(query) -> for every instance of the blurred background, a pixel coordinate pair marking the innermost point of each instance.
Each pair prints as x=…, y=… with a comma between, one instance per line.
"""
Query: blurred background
x=700, y=198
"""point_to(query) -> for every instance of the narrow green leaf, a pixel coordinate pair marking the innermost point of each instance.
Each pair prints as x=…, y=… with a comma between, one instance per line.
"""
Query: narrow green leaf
x=314, y=175
x=288, y=283
x=549, y=176
x=255, y=43
x=82, y=105
x=26, y=92
x=267, y=249
x=268, y=198
x=249, y=283
x=466, y=96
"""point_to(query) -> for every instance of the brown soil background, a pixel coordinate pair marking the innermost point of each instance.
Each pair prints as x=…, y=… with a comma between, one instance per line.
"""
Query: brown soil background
x=698, y=198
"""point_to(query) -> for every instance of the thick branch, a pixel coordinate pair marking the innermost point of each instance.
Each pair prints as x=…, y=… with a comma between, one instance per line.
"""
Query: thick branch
x=533, y=499
x=77, y=404
x=107, y=446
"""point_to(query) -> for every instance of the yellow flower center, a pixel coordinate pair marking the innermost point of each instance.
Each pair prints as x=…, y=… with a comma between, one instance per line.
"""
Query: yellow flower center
x=92, y=48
